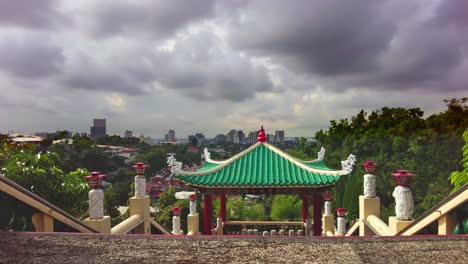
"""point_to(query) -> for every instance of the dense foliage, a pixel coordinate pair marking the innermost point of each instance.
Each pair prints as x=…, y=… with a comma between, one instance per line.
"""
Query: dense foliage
x=398, y=138
x=460, y=178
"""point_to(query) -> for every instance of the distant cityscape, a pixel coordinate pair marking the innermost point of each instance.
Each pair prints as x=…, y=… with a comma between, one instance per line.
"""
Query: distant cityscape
x=99, y=130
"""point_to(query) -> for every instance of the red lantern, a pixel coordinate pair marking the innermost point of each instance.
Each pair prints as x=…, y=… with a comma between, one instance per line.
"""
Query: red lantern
x=176, y=210
x=341, y=212
x=370, y=166
x=139, y=168
x=95, y=179
x=403, y=178
x=327, y=196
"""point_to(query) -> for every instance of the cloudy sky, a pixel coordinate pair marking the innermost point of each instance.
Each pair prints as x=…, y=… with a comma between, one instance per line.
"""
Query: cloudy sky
x=211, y=66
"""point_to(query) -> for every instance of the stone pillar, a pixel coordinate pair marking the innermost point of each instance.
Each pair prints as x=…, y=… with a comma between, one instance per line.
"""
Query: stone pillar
x=341, y=225
x=141, y=207
x=396, y=225
x=367, y=206
x=222, y=207
x=140, y=186
x=193, y=219
x=219, y=226
x=404, y=203
x=96, y=219
x=207, y=211
x=369, y=186
x=96, y=204
x=328, y=224
x=328, y=208
x=176, y=225
x=317, y=214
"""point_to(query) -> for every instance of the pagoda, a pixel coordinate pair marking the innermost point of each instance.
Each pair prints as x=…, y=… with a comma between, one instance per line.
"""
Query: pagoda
x=263, y=169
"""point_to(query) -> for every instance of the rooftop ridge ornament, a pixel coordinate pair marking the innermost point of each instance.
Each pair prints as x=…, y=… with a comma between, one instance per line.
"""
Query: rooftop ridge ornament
x=174, y=165
x=321, y=154
x=261, y=135
x=347, y=165
x=207, y=154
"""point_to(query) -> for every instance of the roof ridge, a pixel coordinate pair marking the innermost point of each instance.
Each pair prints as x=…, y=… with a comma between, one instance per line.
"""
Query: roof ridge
x=224, y=164
x=302, y=165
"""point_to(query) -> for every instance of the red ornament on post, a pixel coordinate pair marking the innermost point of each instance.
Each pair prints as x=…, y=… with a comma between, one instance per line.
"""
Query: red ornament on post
x=370, y=166
x=176, y=210
x=341, y=212
x=327, y=196
x=403, y=178
x=139, y=168
x=261, y=135
x=95, y=179
x=192, y=197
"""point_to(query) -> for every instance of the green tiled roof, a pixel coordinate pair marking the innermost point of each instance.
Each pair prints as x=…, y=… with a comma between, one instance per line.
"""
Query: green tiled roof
x=262, y=165
x=317, y=165
x=208, y=166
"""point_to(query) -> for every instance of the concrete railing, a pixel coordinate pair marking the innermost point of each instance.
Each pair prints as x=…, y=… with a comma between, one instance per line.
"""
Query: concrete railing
x=127, y=225
x=378, y=226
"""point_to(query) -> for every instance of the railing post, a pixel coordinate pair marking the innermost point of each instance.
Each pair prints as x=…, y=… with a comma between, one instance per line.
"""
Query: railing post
x=96, y=218
x=193, y=217
x=369, y=203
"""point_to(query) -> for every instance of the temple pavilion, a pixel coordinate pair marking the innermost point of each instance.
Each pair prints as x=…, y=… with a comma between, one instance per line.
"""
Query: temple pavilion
x=264, y=169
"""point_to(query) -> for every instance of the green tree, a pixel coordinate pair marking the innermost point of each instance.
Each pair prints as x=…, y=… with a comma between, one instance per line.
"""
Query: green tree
x=286, y=208
x=460, y=178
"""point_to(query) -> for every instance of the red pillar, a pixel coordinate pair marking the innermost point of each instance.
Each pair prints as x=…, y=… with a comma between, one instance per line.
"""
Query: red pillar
x=207, y=212
x=317, y=227
x=222, y=207
x=305, y=209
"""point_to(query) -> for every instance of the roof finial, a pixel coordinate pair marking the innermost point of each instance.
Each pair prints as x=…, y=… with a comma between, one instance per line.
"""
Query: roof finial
x=261, y=135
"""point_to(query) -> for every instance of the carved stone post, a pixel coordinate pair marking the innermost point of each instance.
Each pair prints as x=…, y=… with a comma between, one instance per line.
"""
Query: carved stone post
x=96, y=218
x=193, y=217
x=404, y=203
x=176, y=221
x=341, y=221
x=403, y=196
x=328, y=226
x=369, y=179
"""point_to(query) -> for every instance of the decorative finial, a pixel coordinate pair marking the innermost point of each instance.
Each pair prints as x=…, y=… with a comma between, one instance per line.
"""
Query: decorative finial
x=261, y=135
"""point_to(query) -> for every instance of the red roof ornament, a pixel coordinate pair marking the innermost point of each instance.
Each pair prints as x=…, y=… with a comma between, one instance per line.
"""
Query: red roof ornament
x=261, y=135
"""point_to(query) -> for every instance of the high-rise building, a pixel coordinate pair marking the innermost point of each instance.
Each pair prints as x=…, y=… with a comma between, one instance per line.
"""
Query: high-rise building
x=171, y=135
x=220, y=138
x=240, y=136
x=98, y=130
x=231, y=136
x=252, y=138
x=128, y=134
x=200, y=137
x=271, y=138
x=279, y=136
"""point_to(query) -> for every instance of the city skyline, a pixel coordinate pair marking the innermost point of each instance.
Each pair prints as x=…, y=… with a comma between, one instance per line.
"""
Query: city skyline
x=213, y=66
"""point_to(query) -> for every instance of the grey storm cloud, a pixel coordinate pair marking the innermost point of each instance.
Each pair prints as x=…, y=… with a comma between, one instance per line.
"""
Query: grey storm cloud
x=202, y=68
x=198, y=67
x=152, y=18
x=30, y=56
x=358, y=43
x=30, y=13
x=85, y=73
x=326, y=37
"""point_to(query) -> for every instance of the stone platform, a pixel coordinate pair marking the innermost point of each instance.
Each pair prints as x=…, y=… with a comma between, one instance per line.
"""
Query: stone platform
x=19, y=247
